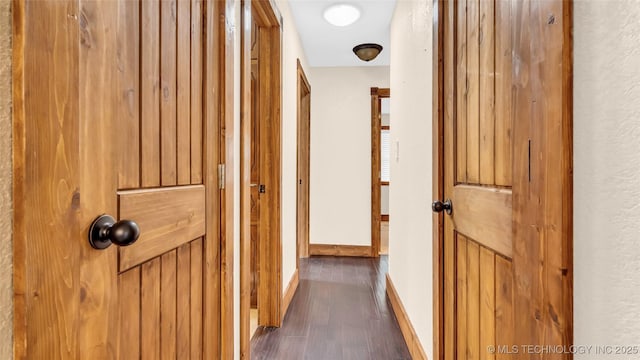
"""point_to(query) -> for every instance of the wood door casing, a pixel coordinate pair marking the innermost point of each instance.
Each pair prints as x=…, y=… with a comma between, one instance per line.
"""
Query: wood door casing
x=499, y=287
x=376, y=165
x=303, y=164
x=132, y=132
x=255, y=166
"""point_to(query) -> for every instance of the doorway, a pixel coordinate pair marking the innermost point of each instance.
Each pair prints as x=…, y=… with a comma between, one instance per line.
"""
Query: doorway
x=379, y=184
x=502, y=176
x=113, y=117
x=260, y=237
x=303, y=164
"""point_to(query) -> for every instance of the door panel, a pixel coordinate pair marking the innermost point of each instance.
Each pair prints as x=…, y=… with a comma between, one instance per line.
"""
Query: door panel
x=479, y=231
x=506, y=142
x=167, y=217
x=114, y=119
x=161, y=185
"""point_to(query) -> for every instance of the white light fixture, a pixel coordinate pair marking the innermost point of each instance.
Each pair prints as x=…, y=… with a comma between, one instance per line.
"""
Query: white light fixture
x=341, y=14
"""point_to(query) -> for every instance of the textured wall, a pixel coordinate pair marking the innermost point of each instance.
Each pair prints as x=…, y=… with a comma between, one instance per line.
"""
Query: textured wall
x=607, y=173
x=6, y=289
x=410, y=248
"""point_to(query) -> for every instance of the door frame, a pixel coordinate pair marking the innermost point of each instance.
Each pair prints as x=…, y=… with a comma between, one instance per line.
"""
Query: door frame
x=302, y=84
x=376, y=128
x=270, y=295
x=562, y=181
x=218, y=124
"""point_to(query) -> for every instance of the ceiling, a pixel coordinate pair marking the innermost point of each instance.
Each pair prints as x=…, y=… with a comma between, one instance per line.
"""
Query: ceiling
x=328, y=45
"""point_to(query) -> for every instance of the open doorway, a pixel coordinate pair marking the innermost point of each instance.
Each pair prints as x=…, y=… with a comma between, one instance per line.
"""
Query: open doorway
x=380, y=169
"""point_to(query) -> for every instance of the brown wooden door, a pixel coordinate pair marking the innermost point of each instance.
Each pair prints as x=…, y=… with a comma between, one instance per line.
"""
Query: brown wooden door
x=478, y=233
x=490, y=270
x=304, y=158
x=134, y=140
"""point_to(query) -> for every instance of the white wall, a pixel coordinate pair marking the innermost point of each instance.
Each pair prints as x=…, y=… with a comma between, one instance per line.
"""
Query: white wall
x=410, y=246
x=606, y=173
x=291, y=52
x=340, y=199
x=6, y=250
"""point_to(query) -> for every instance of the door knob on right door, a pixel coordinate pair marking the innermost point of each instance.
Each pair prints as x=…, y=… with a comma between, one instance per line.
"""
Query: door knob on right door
x=439, y=206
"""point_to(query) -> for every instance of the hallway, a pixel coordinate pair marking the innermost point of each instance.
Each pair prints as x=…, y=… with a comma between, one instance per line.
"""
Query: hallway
x=340, y=311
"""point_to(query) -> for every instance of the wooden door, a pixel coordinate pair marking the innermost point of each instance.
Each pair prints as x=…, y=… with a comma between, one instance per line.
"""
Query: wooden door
x=507, y=279
x=117, y=120
x=304, y=158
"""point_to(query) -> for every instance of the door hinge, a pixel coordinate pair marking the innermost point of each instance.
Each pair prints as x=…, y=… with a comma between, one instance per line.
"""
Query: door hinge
x=221, y=176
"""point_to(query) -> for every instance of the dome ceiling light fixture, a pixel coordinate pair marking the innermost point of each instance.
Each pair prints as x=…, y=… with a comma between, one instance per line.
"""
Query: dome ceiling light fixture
x=367, y=52
x=341, y=14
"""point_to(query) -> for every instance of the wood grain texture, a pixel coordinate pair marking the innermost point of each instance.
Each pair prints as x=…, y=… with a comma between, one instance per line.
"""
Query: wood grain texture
x=461, y=297
x=183, y=91
x=270, y=163
x=458, y=34
x=97, y=282
x=484, y=214
x=168, y=98
x=211, y=264
x=150, y=312
x=128, y=86
x=227, y=151
x=473, y=91
x=197, y=307
x=150, y=93
x=445, y=140
x=473, y=301
x=168, y=218
x=503, y=90
x=487, y=303
x=542, y=127
x=197, y=83
x=504, y=305
x=290, y=291
x=129, y=288
x=523, y=235
x=183, y=301
x=487, y=91
x=408, y=332
x=340, y=250
x=246, y=122
x=98, y=72
x=168, y=310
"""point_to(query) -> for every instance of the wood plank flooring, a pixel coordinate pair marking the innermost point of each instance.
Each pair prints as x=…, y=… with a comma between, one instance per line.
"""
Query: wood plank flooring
x=340, y=311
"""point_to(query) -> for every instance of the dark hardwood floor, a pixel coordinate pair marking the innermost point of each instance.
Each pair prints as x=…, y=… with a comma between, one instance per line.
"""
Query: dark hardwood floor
x=340, y=312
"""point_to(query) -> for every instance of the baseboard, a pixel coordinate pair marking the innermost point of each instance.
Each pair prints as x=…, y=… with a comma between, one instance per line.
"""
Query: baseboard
x=408, y=332
x=339, y=250
x=289, y=292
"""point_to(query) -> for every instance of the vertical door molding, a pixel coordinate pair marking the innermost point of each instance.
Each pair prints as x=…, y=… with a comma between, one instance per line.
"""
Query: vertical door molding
x=376, y=126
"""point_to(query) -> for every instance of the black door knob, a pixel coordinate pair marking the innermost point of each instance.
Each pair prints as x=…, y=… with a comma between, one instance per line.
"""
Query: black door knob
x=439, y=206
x=105, y=231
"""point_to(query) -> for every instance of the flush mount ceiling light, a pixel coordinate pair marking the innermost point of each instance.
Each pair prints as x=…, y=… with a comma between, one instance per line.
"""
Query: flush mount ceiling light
x=341, y=14
x=367, y=52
